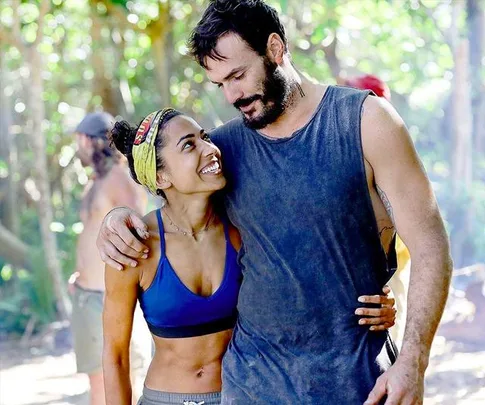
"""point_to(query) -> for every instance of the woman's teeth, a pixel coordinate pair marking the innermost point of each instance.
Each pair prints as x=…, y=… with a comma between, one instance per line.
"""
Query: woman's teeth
x=211, y=169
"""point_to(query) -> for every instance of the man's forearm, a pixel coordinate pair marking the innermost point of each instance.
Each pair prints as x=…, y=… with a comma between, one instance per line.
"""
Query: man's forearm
x=431, y=268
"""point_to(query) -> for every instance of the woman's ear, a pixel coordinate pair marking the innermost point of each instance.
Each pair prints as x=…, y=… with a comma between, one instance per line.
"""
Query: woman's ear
x=162, y=181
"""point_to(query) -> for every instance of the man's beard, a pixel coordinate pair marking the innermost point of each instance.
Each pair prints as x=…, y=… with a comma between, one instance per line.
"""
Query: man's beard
x=275, y=98
x=83, y=158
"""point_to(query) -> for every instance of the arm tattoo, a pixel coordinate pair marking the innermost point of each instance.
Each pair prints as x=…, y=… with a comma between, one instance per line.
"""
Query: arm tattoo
x=386, y=202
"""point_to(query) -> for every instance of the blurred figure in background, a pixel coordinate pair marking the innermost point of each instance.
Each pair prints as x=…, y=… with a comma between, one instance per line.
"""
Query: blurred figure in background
x=367, y=82
x=400, y=281
x=109, y=186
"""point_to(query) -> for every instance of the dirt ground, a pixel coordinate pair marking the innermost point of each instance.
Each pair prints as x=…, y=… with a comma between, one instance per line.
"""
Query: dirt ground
x=456, y=374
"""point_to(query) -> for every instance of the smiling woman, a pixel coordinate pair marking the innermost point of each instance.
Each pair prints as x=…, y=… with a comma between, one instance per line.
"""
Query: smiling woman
x=188, y=286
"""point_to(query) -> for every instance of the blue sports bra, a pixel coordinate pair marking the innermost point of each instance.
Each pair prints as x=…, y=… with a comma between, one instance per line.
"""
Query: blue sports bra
x=173, y=311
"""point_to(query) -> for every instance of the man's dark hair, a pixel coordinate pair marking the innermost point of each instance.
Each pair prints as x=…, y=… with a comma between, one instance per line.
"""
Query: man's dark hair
x=253, y=20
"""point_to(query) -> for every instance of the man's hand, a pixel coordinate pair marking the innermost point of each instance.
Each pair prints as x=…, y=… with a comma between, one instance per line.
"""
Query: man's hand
x=403, y=383
x=116, y=242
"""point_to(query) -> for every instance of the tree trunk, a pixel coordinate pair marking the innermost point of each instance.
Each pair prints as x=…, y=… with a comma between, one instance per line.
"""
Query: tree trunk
x=462, y=145
x=38, y=141
x=476, y=35
x=159, y=33
x=462, y=160
x=8, y=153
x=103, y=86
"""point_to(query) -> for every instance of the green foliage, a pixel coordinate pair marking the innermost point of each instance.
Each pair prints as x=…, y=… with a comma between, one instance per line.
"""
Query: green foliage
x=26, y=295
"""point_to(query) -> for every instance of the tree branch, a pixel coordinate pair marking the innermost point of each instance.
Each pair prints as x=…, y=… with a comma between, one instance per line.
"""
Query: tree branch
x=331, y=57
x=13, y=250
x=43, y=9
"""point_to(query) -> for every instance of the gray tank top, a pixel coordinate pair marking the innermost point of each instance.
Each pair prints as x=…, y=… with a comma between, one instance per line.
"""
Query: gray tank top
x=310, y=248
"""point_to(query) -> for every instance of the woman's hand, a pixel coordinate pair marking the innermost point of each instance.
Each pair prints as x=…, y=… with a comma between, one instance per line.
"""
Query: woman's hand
x=116, y=242
x=379, y=318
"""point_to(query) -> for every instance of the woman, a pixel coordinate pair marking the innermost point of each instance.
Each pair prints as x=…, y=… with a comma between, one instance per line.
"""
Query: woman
x=188, y=286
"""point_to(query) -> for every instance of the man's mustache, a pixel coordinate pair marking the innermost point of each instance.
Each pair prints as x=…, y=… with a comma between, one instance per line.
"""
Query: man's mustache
x=244, y=102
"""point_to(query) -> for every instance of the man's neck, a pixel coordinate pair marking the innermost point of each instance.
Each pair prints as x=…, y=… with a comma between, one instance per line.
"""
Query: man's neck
x=304, y=100
x=113, y=164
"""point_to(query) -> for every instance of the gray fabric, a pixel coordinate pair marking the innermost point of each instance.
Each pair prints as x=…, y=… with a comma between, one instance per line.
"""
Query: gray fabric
x=153, y=397
x=310, y=248
x=96, y=124
x=87, y=329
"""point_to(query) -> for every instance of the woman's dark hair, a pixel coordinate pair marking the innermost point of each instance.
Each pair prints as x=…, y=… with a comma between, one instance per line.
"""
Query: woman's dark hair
x=123, y=135
x=253, y=20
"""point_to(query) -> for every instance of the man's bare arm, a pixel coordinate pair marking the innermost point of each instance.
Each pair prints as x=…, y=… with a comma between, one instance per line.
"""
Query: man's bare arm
x=407, y=194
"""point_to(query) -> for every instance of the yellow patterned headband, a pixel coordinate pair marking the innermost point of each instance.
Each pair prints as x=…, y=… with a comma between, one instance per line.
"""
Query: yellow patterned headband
x=144, y=151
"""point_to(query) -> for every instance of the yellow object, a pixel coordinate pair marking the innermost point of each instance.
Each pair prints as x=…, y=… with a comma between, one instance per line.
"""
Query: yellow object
x=144, y=151
x=403, y=255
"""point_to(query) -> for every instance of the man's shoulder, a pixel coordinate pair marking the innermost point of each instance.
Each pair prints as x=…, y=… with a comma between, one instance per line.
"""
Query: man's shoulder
x=344, y=94
x=228, y=131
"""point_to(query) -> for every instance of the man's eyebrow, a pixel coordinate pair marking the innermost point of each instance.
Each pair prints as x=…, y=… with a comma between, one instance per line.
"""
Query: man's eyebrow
x=231, y=73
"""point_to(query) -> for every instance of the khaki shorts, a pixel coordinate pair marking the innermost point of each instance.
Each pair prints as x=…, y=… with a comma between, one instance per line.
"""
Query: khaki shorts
x=87, y=329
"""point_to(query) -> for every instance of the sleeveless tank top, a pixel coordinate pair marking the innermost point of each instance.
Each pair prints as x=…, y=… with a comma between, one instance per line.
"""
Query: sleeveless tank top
x=310, y=248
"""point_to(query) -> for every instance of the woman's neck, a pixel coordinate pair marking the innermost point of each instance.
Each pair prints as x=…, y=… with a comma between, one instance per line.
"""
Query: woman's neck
x=190, y=214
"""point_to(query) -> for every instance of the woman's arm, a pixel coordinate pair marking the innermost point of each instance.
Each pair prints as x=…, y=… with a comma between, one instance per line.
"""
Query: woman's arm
x=119, y=307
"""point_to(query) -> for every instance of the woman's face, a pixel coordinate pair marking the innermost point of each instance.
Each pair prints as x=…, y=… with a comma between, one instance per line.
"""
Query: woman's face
x=192, y=162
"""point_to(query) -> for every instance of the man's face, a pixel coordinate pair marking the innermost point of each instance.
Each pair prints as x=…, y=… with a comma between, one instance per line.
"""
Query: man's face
x=253, y=84
x=84, y=149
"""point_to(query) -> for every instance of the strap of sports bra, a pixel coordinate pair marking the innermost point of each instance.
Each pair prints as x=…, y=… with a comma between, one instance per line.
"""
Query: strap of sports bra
x=161, y=230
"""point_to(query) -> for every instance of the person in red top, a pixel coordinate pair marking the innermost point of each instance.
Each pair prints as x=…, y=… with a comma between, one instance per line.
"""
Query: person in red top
x=369, y=82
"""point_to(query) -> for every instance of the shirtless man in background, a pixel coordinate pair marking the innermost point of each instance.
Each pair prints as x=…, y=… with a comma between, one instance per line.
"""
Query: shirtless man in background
x=110, y=186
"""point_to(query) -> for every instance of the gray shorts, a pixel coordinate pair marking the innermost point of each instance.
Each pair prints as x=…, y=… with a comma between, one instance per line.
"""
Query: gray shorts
x=152, y=397
x=87, y=329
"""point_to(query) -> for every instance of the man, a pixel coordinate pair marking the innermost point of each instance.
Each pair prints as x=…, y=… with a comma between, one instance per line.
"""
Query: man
x=317, y=175
x=109, y=186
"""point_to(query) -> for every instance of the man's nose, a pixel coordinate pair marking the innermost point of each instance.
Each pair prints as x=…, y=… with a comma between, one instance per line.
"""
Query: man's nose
x=232, y=93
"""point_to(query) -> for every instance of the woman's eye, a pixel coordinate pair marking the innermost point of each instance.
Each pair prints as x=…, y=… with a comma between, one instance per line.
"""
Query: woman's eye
x=187, y=145
x=207, y=138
